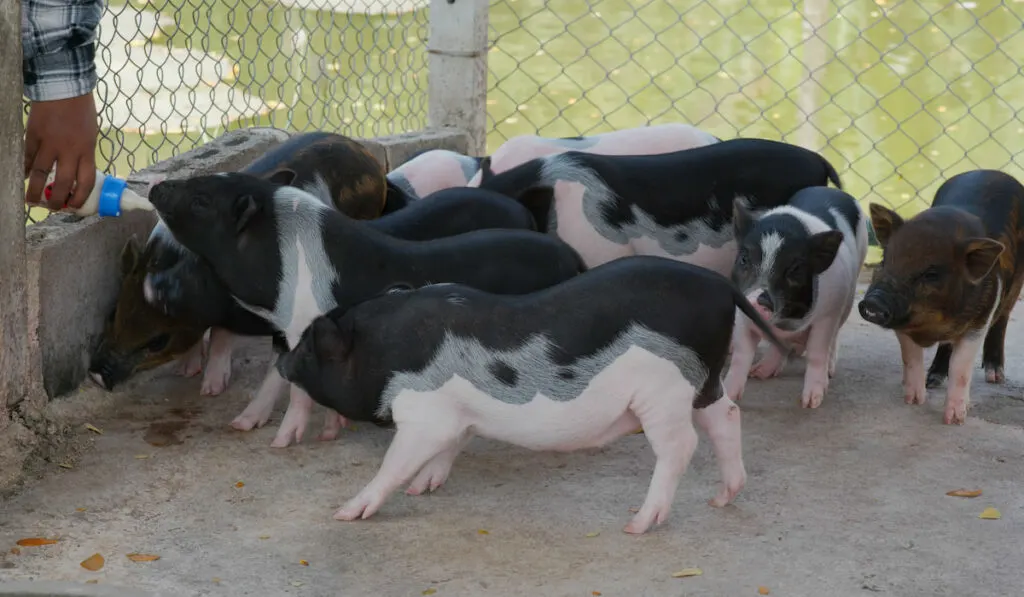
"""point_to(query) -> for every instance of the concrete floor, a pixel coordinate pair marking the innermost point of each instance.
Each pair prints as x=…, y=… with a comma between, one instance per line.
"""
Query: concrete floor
x=848, y=499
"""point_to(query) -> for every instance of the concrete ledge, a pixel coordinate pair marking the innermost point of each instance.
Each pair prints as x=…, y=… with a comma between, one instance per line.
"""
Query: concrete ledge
x=62, y=589
x=74, y=267
x=398, y=149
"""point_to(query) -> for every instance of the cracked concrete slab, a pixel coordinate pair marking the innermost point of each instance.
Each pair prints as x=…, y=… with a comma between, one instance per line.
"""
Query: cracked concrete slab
x=849, y=499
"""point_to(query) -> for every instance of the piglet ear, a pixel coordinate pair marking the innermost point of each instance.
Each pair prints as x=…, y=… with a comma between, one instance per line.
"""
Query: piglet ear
x=283, y=177
x=332, y=341
x=885, y=222
x=244, y=209
x=130, y=255
x=824, y=246
x=981, y=255
x=741, y=218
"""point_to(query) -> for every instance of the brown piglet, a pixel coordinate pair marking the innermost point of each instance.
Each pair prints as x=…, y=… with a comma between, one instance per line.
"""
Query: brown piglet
x=950, y=276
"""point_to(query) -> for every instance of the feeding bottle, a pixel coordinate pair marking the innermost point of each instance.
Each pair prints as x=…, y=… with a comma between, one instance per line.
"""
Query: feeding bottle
x=109, y=197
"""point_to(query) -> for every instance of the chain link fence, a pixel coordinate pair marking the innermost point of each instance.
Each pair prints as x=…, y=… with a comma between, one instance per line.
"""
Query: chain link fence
x=176, y=73
x=898, y=95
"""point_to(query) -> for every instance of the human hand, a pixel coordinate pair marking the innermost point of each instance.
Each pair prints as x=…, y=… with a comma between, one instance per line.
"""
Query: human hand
x=62, y=131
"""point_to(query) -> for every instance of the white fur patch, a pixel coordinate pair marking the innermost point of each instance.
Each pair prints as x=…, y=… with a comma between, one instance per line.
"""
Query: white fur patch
x=770, y=245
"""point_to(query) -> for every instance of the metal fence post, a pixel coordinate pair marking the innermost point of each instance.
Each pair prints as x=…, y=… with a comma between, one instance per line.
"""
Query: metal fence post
x=458, y=68
x=14, y=336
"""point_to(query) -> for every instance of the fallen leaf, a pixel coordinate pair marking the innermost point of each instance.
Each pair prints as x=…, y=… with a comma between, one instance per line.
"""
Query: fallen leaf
x=593, y=534
x=430, y=591
x=596, y=593
x=15, y=551
x=763, y=590
x=482, y=532
x=141, y=456
x=65, y=465
x=79, y=509
x=303, y=563
x=634, y=510
x=93, y=562
x=93, y=428
x=215, y=579
x=686, y=572
x=142, y=557
x=35, y=542
x=93, y=581
x=264, y=536
x=239, y=484
x=297, y=583
x=967, y=493
x=990, y=514
x=638, y=431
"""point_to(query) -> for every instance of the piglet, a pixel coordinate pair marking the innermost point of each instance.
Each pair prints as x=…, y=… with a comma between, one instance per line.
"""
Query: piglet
x=426, y=173
x=677, y=205
x=642, y=140
x=287, y=257
x=799, y=265
x=639, y=342
x=950, y=275
x=335, y=168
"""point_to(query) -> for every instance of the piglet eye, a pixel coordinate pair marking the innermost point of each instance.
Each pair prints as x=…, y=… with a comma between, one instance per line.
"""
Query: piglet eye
x=742, y=259
x=931, y=275
x=796, y=273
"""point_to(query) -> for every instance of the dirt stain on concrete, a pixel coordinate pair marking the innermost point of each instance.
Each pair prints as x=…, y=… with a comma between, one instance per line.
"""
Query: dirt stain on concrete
x=164, y=433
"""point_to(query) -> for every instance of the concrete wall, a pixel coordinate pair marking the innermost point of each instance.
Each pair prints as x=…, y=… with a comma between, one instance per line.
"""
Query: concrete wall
x=73, y=272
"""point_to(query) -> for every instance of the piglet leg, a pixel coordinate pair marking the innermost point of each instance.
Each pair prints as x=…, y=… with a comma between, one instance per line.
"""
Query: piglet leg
x=721, y=421
x=296, y=419
x=218, y=367
x=770, y=365
x=258, y=412
x=744, y=345
x=333, y=422
x=961, y=369
x=435, y=472
x=914, y=391
x=667, y=423
x=819, y=344
x=414, y=445
x=191, y=363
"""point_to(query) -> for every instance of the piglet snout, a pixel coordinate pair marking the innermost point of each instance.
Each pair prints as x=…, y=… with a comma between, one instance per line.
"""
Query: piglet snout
x=765, y=300
x=874, y=309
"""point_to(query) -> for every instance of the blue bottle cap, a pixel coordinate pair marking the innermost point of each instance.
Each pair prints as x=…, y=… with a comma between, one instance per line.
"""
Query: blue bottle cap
x=110, y=196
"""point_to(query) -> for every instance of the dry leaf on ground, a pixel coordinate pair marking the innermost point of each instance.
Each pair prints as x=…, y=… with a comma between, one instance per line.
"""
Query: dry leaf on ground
x=596, y=593
x=92, y=581
x=482, y=532
x=143, y=557
x=303, y=563
x=687, y=572
x=634, y=510
x=966, y=493
x=35, y=542
x=763, y=590
x=430, y=591
x=141, y=456
x=990, y=514
x=93, y=562
x=15, y=551
x=593, y=534
x=264, y=536
x=297, y=583
x=65, y=465
x=93, y=428
x=239, y=484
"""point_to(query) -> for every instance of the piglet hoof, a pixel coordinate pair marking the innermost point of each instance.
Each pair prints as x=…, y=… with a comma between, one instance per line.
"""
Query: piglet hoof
x=765, y=370
x=286, y=437
x=728, y=490
x=994, y=375
x=643, y=521
x=935, y=380
x=813, y=396
x=956, y=412
x=333, y=422
x=914, y=394
x=215, y=382
x=431, y=477
x=191, y=363
x=362, y=506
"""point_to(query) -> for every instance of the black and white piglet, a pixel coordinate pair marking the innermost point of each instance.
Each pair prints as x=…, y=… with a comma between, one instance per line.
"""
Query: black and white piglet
x=676, y=205
x=286, y=257
x=635, y=342
x=799, y=265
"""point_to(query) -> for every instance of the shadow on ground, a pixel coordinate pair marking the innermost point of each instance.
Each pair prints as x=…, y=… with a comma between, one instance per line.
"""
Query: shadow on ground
x=848, y=499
